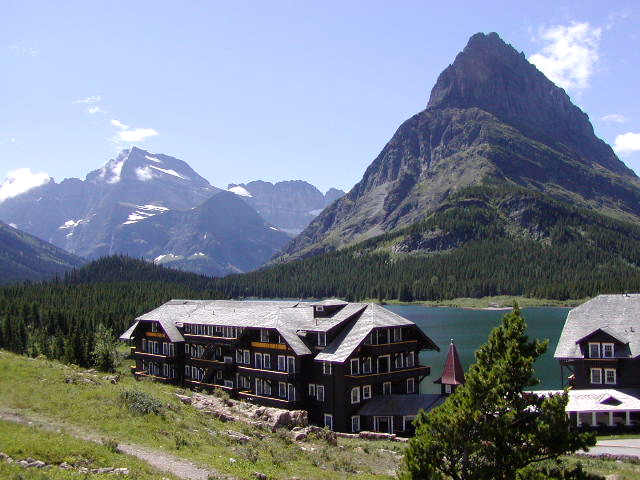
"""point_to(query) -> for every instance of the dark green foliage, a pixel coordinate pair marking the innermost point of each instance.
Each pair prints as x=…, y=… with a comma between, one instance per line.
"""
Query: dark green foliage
x=105, y=355
x=140, y=402
x=490, y=427
x=78, y=322
x=556, y=470
x=484, y=241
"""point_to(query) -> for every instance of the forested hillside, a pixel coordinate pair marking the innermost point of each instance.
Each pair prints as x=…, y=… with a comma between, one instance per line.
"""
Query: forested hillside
x=60, y=319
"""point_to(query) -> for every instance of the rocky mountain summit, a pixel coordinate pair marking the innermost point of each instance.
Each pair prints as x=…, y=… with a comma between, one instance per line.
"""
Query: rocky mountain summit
x=492, y=119
x=289, y=205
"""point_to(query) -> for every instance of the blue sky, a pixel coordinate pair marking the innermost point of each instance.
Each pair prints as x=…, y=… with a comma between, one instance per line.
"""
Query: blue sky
x=277, y=90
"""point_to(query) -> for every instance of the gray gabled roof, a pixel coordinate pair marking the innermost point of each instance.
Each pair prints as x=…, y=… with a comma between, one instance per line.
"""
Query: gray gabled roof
x=371, y=316
x=616, y=315
x=290, y=319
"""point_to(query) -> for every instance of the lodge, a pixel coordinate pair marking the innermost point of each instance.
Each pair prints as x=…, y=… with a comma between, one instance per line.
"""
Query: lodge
x=352, y=366
x=599, y=355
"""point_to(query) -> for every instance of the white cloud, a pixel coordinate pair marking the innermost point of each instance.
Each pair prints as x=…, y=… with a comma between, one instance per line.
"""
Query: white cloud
x=627, y=143
x=95, y=109
x=614, y=117
x=570, y=55
x=29, y=50
x=20, y=181
x=137, y=135
x=92, y=99
x=119, y=124
x=144, y=174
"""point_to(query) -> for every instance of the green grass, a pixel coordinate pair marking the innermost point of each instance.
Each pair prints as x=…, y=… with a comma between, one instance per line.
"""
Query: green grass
x=53, y=448
x=81, y=401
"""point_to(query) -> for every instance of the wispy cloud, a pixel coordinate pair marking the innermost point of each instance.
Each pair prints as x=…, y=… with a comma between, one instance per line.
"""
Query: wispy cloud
x=92, y=99
x=95, y=109
x=25, y=50
x=616, y=17
x=118, y=123
x=614, y=117
x=570, y=54
x=135, y=135
x=20, y=181
x=627, y=143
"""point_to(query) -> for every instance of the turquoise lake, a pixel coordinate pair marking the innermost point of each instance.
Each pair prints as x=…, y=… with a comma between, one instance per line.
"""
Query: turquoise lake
x=470, y=329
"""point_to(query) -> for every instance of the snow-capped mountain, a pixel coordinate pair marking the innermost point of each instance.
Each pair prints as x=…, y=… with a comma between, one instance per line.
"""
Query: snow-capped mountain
x=289, y=205
x=81, y=216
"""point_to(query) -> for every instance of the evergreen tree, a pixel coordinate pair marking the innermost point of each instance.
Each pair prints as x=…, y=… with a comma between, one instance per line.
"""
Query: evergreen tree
x=104, y=354
x=490, y=427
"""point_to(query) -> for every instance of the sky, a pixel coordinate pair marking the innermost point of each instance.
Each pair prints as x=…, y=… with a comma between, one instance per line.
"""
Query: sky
x=277, y=90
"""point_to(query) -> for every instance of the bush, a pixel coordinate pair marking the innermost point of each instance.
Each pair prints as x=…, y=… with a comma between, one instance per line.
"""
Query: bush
x=140, y=402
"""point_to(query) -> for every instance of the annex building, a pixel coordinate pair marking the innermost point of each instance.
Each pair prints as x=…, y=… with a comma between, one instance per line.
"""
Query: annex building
x=352, y=366
x=599, y=355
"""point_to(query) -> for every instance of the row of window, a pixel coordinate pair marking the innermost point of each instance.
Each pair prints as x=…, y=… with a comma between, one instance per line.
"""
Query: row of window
x=600, y=350
x=603, y=375
x=383, y=336
x=262, y=361
x=159, y=370
x=386, y=390
x=365, y=365
x=213, y=330
x=158, y=348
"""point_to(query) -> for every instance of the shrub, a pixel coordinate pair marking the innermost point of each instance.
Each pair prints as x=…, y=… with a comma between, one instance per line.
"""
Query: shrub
x=140, y=402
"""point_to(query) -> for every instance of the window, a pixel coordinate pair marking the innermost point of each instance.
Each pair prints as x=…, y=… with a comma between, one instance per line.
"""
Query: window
x=227, y=359
x=407, y=420
x=447, y=388
x=291, y=392
x=366, y=392
x=400, y=361
x=258, y=361
x=366, y=365
x=264, y=335
x=312, y=390
x=320, y=393
x=386, y=388
x=355, y=366
x=267, y=387
x=187, y=371
x=328, y=421
x=610, y=376
x=266, y=361
x=410, y=360
x=154, y=327
x=596, y=375
x=594, y=350
x=219, y=374
x=238, y=356
x=291, y=364
x=282, y=363
x=322, y=339
x=411, y=385
x=280, y=339
x=355, y=395
x=282, y=389
x=144, y=344
x=228, y=383
x=397, y=334
x=247, y=357
x=326, y=368
x=607, y=350
x=355, y=423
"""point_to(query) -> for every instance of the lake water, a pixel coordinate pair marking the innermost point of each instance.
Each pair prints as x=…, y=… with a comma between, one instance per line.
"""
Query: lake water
x=470, y=329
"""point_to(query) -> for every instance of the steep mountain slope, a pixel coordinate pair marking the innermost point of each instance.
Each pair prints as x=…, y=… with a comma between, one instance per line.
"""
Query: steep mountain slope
x=24, y=257
x=492, y=119
x=80, y=216
x=222, y=235
x=289, y=205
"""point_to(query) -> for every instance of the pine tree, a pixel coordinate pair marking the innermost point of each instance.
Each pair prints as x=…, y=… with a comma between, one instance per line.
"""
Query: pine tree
x=490, y=427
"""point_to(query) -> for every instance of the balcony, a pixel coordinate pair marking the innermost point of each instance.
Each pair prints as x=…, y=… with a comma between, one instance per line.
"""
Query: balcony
x=366, y=378
x=195, y=384
x=266, y=374
x=153, y=356
x=155, y=378
x=206, y=363
x=207, y=340
x=385, y=348
x=268, y=401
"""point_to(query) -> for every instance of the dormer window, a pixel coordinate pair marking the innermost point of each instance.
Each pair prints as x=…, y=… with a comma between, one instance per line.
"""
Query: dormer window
x=594, y=350
x=154, y=327
x=264, y=335
x=607, y=350
x=322, y=339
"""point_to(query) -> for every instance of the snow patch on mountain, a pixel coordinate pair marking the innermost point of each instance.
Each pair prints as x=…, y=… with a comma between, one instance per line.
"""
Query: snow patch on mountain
x=167, y=257
x=153, y=159
x=142, y=212
x=240, y=191
x=169, y=172
x=315, y=212
x=69, y=224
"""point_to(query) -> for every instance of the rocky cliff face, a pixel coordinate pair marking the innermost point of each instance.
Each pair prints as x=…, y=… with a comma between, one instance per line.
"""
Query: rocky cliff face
x=492, y=118
x=289, y=205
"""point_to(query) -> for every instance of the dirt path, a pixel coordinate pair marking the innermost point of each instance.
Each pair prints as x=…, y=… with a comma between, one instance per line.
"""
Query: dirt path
x=157, y=458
